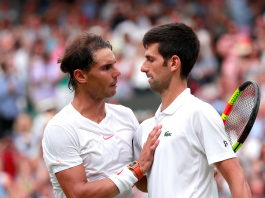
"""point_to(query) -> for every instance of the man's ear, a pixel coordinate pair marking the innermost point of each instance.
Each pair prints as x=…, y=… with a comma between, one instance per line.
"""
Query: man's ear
x=80, y=76
x=175, y=63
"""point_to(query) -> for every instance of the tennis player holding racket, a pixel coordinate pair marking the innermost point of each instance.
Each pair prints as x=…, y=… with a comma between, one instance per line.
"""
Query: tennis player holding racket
x=193, y=137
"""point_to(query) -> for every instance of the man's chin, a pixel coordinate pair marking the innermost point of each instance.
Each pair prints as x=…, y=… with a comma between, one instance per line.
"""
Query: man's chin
x=154, y=88
x=111, y=94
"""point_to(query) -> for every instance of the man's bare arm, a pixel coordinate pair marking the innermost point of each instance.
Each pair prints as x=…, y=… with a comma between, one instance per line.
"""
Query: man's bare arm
x=235, y=177
x=74, y=184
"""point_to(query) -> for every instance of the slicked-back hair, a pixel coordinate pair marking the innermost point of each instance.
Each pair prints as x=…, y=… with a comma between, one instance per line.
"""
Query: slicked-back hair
x=80, y=54
x=175, y=39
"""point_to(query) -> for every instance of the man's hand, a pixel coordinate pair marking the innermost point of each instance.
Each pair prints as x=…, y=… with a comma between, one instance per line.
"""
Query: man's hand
x=215, y=172
x=147, y=154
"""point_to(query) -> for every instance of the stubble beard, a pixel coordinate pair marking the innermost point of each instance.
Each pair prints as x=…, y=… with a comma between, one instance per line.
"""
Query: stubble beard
x=160, y=87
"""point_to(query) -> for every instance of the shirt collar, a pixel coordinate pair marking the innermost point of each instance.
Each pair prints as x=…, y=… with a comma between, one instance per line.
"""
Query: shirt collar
x=176, y=104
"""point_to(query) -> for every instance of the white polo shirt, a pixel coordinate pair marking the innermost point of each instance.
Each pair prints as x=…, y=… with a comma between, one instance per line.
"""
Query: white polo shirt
x=192, y=140
x=104, y=149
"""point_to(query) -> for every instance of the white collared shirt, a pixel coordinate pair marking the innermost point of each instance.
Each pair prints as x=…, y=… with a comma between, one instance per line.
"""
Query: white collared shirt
x=192, y=140
x=104, y=149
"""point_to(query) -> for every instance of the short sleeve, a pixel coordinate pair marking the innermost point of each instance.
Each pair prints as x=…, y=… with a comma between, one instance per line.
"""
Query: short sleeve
x=212, y=136
x=60, y=149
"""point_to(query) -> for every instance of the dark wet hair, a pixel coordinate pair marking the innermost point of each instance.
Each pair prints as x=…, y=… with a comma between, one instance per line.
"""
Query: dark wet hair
x=175, y=39
x=79, y=54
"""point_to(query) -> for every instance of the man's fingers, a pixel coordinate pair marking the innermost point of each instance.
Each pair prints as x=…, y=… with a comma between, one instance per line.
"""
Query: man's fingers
x=153, y=147
x=153, y=133
x=154, y=141
x=147, y=153
x=216, y=172
x=155, y=129
x=156, y=136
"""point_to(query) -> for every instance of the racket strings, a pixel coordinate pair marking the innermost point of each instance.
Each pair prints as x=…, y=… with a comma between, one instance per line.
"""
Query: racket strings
x=239, y=116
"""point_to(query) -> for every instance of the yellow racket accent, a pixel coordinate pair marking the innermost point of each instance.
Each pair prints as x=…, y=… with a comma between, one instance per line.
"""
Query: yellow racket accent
x=235, y=96
x=237, y=146
x=224, y=116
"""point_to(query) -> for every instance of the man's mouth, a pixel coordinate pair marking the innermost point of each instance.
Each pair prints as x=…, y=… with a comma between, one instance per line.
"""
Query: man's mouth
x=113, y=84
x=149, y=78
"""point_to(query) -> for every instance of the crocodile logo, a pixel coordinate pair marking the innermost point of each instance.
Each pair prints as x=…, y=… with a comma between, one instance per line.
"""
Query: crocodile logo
x=167, y=134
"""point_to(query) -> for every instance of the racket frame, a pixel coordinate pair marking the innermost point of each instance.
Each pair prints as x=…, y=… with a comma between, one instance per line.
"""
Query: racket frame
x=253, y=114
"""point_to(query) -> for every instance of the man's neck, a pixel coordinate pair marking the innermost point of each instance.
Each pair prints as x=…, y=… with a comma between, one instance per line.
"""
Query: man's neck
x=90, y=108
x=174, y=90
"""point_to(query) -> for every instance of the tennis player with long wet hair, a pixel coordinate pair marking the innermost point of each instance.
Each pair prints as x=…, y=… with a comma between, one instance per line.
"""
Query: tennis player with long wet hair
x=88, y=144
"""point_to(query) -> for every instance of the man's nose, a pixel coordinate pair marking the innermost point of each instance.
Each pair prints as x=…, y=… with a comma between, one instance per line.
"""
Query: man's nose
x=116, y=73
x=144, y=68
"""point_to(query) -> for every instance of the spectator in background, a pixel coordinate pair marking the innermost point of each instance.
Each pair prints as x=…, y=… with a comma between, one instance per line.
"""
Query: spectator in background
x=10, y=91
x=124, y=90
x=27, y=142
x=257, y=188
x=44, y=76
x=5, y=179
x=138, y=80
x=206, y=66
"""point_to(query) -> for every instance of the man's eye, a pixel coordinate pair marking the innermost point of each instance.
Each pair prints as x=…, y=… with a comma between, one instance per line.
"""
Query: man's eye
x=106, y=67
x=150, y=60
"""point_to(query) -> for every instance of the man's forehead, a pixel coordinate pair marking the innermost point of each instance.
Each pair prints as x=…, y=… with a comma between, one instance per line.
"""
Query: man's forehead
x=104, y=55
x=151, y=49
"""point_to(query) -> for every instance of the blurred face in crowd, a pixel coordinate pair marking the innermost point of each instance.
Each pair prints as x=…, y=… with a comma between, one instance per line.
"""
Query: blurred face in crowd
x=257, y=188
x=158, y=73
x=101, y=80
x=23, y=123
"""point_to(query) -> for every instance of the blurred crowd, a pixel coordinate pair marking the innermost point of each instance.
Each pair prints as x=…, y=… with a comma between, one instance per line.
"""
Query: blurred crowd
x=34, y=33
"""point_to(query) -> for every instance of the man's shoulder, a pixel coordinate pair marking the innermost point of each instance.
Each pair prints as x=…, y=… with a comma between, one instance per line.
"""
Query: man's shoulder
x=203, y=110
x=62, y=118
x=199, y=105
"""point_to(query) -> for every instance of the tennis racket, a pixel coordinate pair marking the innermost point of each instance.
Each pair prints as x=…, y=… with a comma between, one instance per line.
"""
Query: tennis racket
x=241, y=112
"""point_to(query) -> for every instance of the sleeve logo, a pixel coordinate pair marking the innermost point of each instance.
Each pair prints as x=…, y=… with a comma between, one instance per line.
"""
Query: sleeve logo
x=225, y=143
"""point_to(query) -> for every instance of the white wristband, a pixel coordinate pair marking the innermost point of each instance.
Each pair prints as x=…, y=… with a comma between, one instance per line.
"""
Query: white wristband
x=125, y=180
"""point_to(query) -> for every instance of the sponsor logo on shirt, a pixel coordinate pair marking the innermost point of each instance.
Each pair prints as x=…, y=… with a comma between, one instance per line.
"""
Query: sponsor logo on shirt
x=119, y=172
x=167, y=134
x=106, y=138
x=225, y=143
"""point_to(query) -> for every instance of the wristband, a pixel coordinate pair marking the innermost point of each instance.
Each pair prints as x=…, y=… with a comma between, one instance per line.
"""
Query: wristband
x=124, y=180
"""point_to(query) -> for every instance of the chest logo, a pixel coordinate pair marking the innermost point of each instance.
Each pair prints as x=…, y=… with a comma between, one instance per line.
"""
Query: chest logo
x=167, y=134
x=106, y=138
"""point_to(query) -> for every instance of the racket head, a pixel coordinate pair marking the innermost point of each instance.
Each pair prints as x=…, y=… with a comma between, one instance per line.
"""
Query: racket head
x=241, y=112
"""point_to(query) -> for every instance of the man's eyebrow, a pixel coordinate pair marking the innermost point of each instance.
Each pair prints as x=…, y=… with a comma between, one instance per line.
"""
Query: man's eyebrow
x=108, y=64
x=148, y=56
